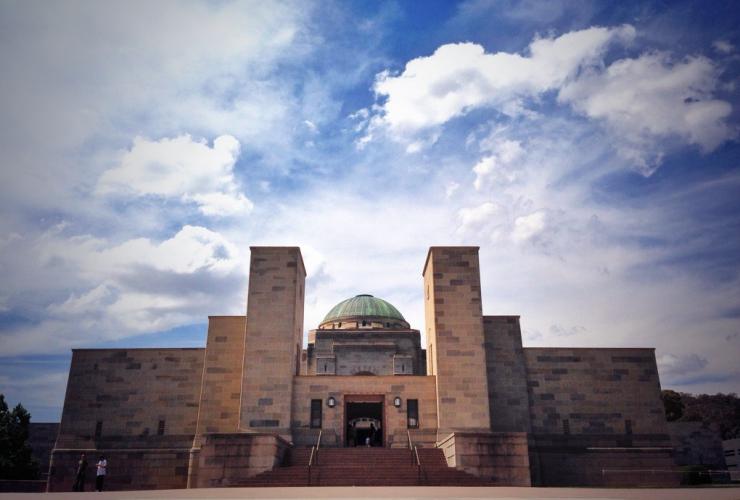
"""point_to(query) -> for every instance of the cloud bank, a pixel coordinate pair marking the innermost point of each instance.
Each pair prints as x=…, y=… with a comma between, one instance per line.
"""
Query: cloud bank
x=642, y=100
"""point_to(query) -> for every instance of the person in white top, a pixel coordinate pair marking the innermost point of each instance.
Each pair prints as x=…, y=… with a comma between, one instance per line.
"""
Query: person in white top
x=102, y=466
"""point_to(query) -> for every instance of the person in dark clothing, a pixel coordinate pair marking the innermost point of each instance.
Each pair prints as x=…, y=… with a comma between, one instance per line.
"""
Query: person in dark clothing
x=372, y=435
x=351, y=435
x=80, y=476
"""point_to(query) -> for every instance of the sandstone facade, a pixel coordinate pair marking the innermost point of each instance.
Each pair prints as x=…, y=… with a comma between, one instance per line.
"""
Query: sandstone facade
x=176, y=418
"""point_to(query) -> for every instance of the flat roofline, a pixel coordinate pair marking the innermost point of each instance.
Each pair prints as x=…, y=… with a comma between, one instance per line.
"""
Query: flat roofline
x=371, y=330
x=502, y=316
x=138, y=349
x=270, y=247
x=429, y=253
x=600, y=348
x=227, y=315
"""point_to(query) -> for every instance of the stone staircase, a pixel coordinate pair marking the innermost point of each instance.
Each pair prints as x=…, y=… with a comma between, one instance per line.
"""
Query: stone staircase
x=363, y=466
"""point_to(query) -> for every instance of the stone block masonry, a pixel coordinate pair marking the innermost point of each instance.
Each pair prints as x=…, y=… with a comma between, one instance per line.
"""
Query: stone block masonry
x=500, y=457
x=507, y=374
x=273, y=340
x=138, y=407
x=130, y=392
x=388, y=387
x=596, y=416
x=221, y=392
x=573, y=390
x=227, y=459
x=455, y=340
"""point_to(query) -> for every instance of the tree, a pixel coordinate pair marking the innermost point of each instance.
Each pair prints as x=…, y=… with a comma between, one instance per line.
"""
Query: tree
x=16, y=461
x=673, y=405
x=722, y=410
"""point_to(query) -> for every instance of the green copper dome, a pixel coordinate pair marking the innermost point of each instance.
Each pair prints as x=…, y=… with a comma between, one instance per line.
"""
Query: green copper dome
x=364, y=306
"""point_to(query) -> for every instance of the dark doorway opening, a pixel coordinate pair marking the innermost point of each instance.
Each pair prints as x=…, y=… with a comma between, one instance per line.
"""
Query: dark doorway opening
x=364, y=423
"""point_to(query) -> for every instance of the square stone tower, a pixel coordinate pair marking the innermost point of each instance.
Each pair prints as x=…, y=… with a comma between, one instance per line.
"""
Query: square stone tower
x=455, y=340
x=272, y=346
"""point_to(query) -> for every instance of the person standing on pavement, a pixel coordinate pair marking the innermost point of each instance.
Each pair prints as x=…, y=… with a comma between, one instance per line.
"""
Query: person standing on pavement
x=80, y=476
x=102, y=466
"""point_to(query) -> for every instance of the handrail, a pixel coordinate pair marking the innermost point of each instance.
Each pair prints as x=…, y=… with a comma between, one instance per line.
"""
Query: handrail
x=411, y=446
x=418, y=465
x=414, y=457
x=310, y=462
x=314, y=453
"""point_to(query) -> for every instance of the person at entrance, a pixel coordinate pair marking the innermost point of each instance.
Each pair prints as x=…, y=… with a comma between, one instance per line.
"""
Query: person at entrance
x=373, y=435
x=351, y=435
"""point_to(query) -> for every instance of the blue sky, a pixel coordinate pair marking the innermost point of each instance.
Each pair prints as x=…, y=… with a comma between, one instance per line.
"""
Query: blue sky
x=589, y=148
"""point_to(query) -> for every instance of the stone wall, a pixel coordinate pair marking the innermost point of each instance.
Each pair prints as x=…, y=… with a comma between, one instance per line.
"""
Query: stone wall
x=130, y=396
x=356, y=351
x=507, y=374
x=128, y=392
x=501, y=457
x=274, y=337
x=333, y=421
x=221, y=392
x=594, y=391
x=583, y=460
x=597, y=418
x=162, y=465
x=696, y=443
x=225, y=459
x=454, y=320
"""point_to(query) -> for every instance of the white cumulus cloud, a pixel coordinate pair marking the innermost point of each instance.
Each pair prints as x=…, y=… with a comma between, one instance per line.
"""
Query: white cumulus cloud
x=181, y=168
x=649, y=103
x=459, y=77
x=136, y=286
x=500, y=166
x=475, y=216
x=528, y=226
x=652, y=97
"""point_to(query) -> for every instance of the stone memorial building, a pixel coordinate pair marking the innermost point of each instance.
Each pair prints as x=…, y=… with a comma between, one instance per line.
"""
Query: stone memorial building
x=255, y=404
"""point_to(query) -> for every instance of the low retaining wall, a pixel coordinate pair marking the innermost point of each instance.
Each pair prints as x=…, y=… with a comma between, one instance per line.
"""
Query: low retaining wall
x=138, y=463
x=22, y=485
x=501, y=457
x=581, y=460
x=128, y=469
x=225, y=459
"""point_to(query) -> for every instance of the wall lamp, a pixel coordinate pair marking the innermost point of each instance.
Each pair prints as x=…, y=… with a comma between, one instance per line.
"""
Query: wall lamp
x=331, y=402
x=397, y=402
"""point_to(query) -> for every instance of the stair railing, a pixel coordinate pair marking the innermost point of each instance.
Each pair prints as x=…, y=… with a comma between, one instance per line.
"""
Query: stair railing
x=318, y=445
x=314, y=455
x=415, y=457
x=418, y=465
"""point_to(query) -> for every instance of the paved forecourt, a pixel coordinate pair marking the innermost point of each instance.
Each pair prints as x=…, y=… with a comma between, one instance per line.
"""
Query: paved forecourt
x=410, y=493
